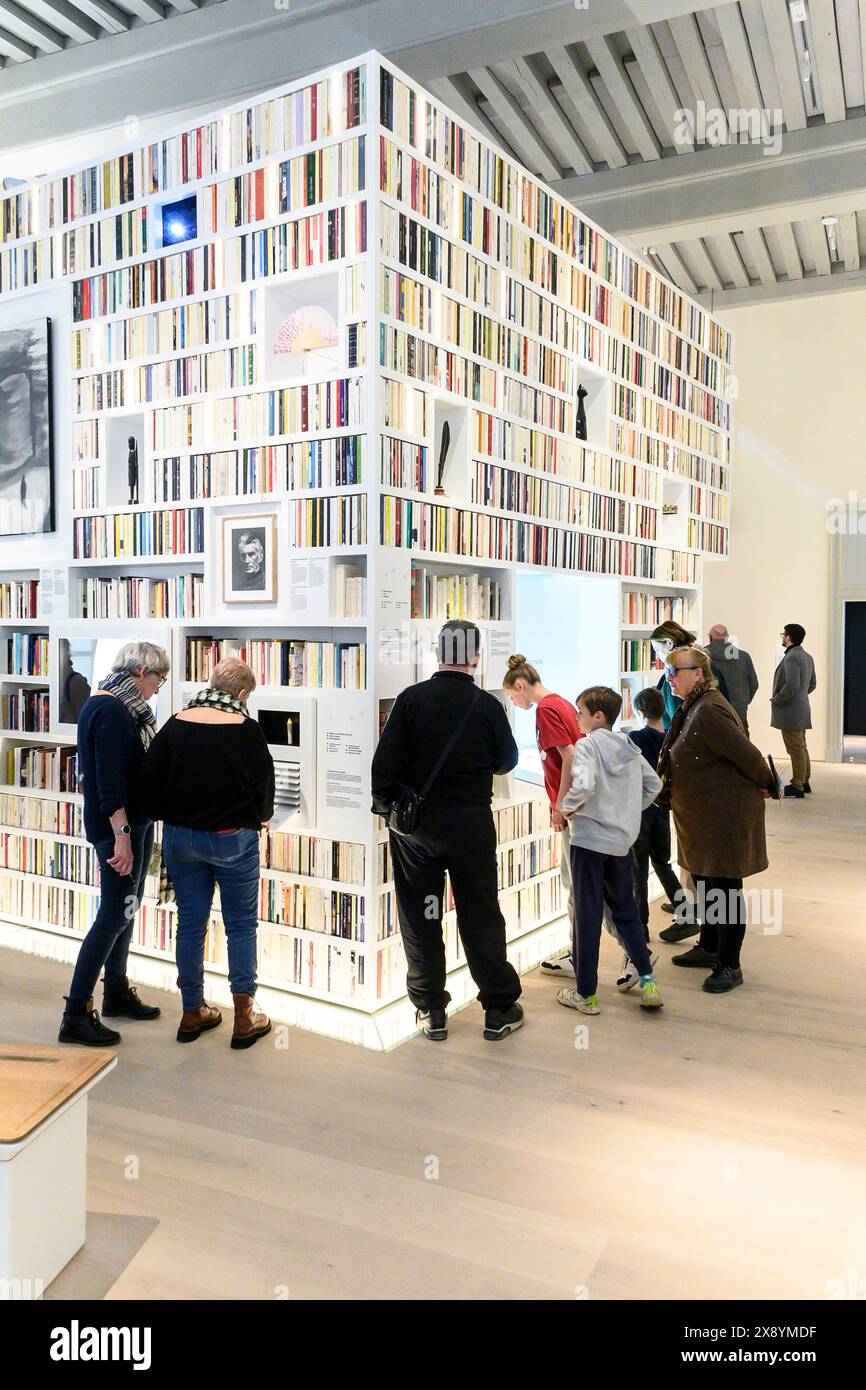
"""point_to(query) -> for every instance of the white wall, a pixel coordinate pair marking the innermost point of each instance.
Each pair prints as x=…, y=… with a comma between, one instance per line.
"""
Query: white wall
x=798, y=442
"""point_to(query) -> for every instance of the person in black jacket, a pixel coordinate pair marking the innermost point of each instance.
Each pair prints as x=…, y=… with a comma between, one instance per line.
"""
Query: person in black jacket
x=455, y=831
x=209, y=777
x=115, y=729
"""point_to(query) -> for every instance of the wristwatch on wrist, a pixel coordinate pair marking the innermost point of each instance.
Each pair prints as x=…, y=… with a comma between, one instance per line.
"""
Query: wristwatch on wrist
x=122, y=830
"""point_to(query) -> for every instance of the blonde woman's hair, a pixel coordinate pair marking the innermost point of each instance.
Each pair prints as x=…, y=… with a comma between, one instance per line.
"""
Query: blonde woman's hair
x=519, y=669
x=231, y=676
x=694, y=656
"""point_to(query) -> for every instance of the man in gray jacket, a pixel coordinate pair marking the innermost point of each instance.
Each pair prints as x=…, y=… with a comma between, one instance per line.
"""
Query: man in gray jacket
x=738, y=670
x=793, y=683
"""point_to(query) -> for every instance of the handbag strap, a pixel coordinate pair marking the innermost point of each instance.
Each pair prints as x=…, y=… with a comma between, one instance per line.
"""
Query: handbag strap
x=449, y=745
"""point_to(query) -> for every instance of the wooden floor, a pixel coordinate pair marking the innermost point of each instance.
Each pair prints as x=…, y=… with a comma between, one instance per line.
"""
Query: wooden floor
x=715, y=1150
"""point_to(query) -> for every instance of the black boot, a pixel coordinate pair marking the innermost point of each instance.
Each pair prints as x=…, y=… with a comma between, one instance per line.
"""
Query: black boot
x=121, y=1000
x=81, y=1025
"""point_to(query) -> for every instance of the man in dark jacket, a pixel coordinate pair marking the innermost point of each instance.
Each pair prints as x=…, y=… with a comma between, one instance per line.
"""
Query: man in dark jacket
x=455, y=831
x=738, y=670
x=793, y=683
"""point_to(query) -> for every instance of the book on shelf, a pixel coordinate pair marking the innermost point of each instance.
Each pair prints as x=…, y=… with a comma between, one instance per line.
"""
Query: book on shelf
x=26, y=711
x=19, y=598
x=130, y=534
x=314, y=856
x=25, y=654
x=49, y=769
x=138, y=596
x=283, y=661
x=49, y=858
x=326, y=522
x=306, y=908
x=350, y=590
x=41, y=813
x=440, y=597
x=315, y=407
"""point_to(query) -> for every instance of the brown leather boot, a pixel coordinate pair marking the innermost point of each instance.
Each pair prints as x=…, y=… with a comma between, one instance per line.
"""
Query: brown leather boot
x=249, y=1025
x=197, y=1021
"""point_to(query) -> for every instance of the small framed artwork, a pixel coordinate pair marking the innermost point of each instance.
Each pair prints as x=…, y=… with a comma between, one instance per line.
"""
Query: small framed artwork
x=26, y=469
x=249, y=559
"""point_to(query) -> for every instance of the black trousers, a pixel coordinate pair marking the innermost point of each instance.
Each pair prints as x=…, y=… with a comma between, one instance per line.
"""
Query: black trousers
x=461, y=839
x=653, y=846
x=722, y=911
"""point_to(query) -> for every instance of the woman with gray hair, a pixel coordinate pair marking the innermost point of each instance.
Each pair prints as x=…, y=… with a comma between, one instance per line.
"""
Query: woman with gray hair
x=210, y=778
x=115, y=729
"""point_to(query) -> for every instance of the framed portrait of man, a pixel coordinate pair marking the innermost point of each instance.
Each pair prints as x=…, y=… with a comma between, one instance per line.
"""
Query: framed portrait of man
x=249, y=554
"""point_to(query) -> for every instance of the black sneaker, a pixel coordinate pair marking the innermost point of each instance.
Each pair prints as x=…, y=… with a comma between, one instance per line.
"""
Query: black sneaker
x=696, y=956
x=498, y=1023
x=81, y=1025
x=122, y=1001
x=723, y=979
x=798, y=792
x=678, y=932
x=433, y=1024
x=668, y=907
x=807, y=789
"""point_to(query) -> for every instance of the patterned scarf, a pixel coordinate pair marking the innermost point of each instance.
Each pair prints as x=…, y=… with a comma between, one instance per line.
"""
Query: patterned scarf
x=218, y=699
x=673, y=733
x=121, y=685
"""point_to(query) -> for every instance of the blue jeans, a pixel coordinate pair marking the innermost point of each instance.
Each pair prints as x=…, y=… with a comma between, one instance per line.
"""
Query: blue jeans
x=107, y=942
x=197, y=860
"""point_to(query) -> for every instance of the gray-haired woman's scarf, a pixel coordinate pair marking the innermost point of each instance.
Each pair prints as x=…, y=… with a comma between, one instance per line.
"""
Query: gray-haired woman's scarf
x=218, y=699
x=122, y=685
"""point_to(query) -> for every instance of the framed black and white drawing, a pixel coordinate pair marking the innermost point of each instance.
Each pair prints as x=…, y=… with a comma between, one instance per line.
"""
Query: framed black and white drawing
x=249, y=559
x=26, y=464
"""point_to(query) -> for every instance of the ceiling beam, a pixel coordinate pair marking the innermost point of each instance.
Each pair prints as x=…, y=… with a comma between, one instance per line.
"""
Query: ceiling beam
x=30, y=27
x=538, y=94
x=754, y=239
x=148, y=10
x=817, y=171
x=790, y=250
x=645, y=47
x=454, y=92
x=839, y=282
x=825, y=43
x=778, y=21
x=579, y=91
x=820, y=250
x=848, y=240
x=676, y=267
x=517, y=124
x=112, y=19
x=70, y=20
x=15, y=48
x=618, y=83
x=185, y=5
x=728, y=256
x=699, y=254
x=690, y=46
x=739, y=55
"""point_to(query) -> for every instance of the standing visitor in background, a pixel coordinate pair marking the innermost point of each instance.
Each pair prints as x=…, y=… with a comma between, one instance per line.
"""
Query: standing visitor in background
x=444, y=742
x=116, y=727
x=715, y=782
x=738, y=668
x=611, y=784
x=557, y=731
x=209, y=777
x=793, y=683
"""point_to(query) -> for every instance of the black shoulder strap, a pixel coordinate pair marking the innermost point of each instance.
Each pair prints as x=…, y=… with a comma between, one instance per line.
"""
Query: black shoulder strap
x=461, y=725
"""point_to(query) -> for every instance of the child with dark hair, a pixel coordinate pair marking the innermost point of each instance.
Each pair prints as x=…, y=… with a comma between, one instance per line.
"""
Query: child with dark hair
x=611, y=784
x=653, y=844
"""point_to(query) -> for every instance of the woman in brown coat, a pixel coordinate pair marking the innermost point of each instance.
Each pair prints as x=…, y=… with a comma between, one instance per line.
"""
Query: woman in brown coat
x=715, y=782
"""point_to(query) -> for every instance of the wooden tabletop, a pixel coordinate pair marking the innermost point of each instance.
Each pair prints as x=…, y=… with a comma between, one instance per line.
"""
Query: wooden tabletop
x=36, y=1081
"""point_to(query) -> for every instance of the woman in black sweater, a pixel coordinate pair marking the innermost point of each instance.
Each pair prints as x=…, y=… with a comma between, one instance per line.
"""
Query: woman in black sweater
x=210, y=778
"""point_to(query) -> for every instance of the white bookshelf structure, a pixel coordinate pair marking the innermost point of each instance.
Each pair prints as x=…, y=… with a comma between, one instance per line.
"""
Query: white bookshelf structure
x=461, y=292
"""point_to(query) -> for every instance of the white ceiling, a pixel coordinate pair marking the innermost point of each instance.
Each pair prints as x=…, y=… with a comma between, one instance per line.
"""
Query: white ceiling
x=586, y=97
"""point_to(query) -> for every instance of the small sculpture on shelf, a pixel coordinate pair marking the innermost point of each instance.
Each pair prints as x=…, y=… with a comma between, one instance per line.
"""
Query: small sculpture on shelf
x=581, y=413
x=132, y=469
x=444, y=446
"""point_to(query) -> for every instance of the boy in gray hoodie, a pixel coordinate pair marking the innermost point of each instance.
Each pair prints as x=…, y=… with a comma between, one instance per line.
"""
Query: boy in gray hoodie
x=611, y=784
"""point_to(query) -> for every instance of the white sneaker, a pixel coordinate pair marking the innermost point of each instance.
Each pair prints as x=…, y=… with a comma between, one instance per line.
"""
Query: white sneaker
x=561, y=964
x=572, y=1000
x=630, y=974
